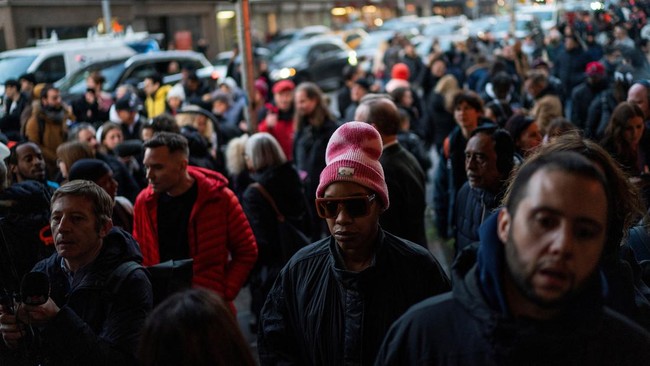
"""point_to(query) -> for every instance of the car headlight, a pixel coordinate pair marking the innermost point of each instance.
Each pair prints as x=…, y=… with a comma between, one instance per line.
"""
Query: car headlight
x=283, y=73
x=352, y=58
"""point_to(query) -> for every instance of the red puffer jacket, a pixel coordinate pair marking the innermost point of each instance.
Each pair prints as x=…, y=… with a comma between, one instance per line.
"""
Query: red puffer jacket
x=220, y=238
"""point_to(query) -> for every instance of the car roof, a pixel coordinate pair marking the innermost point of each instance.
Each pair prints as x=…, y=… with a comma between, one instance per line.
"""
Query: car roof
x=167, y=55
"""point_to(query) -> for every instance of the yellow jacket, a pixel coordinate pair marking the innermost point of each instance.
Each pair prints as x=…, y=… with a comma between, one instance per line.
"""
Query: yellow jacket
x=158, y=103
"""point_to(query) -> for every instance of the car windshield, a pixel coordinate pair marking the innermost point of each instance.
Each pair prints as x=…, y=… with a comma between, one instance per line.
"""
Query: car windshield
x=375, y=39
x=76, y=83
x=11, y=67
x=291, y=51
x=439, y=29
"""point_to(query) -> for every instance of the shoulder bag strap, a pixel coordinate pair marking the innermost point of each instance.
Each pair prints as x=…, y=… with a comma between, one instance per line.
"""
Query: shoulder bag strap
x=269, y=199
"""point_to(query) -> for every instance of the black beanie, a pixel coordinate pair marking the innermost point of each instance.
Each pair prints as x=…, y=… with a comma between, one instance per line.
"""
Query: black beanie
x=88, y=169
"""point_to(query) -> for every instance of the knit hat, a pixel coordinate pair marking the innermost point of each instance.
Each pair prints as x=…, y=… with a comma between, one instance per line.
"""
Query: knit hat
x=262, y=88
x=400, y=71
x=176, y=91
x=88, y=169
x=352, y=155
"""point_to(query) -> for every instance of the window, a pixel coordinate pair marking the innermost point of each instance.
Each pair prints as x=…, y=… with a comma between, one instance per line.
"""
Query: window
x=50, y=70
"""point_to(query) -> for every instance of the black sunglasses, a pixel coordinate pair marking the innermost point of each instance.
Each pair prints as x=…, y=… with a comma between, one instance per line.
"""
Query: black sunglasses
x=357, y=206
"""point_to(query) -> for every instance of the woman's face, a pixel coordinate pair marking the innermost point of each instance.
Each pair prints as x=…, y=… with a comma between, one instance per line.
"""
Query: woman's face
x=633, y=131
x=530, y=139
x=201, y=124
x=407, y=99
x=113, y=138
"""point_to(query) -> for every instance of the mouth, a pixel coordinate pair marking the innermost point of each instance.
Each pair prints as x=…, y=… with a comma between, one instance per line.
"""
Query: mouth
x=554, y=278
x=344, y=236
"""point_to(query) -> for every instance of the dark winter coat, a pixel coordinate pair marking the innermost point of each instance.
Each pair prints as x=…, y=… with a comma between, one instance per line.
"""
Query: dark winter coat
x=309, y=149
x=448, y=178
x=581, y=98
x=406, y=192
x=25, y=220
x=10, y=122
x=473, y=326
x=437, y=122
x=320, y=314
x=473, y=206
x=570, y=68
x=284, y=185
x=95, y=327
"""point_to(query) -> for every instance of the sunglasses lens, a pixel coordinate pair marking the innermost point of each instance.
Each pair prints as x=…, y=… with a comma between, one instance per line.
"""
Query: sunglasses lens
x=356, y=207
x=330, y=208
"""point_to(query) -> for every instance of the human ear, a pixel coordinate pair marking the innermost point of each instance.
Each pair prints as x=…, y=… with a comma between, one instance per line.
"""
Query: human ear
x=503, y=225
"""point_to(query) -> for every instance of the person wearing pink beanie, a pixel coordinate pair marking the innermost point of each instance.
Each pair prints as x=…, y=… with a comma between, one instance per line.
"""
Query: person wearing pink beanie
x=334, y=301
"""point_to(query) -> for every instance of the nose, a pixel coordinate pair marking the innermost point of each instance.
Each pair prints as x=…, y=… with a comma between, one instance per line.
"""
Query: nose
x=149, y=174
x=64, y=224
x=342, y=217
x=563, y=241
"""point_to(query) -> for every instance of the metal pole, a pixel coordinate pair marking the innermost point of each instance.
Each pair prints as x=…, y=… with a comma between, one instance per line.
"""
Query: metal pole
x=246, y=52
x=106, y=11
x=513, y=21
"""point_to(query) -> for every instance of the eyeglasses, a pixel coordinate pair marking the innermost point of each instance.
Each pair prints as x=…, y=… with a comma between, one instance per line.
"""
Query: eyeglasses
x=328, y=208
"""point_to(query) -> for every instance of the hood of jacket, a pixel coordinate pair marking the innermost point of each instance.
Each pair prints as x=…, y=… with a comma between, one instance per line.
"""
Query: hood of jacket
x=478, y=286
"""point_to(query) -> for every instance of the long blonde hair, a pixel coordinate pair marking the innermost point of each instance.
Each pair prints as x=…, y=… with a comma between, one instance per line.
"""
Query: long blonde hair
x=447, y=87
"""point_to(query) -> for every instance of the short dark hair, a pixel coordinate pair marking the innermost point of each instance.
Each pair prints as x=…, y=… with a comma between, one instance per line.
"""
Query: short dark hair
x=13, y=83
x=155, y=77
x=501, y=83
x=383, y=113
x=175, y=142
x=13, y=151
x=565, y=161
x=164, y=122
x=205, y=321
x=46, y=90
x=468, y=97
x=102, y=202
x=503, y=146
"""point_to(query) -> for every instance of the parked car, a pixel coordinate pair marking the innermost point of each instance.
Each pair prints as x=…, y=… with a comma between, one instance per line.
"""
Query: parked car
x=52, y=59
x=133, y=70
x=320, y=59
x=287, y=36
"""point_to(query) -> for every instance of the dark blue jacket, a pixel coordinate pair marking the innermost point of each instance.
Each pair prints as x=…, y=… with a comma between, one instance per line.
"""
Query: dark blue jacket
x=318, y=313
x=94, y=326
x=473, y=326
x=473, y=205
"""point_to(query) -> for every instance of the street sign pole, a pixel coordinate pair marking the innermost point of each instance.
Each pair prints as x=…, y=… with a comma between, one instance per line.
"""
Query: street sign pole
x=246, y=52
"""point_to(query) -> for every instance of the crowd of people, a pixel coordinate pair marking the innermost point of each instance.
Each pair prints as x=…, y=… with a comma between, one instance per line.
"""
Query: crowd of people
x=538, y=155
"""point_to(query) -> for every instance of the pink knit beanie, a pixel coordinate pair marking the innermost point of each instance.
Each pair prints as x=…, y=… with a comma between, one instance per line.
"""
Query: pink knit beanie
x=353, y=155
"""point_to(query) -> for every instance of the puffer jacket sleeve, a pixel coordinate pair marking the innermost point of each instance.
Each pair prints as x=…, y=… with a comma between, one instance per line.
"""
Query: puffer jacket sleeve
x=143, y=231
x=241, y=245
x=75, y=343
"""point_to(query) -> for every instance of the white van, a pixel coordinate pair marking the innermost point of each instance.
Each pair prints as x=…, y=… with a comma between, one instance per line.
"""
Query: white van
x=52, y=60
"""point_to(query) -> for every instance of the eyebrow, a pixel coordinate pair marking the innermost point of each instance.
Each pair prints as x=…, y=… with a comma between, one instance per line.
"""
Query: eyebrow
x=582, y=219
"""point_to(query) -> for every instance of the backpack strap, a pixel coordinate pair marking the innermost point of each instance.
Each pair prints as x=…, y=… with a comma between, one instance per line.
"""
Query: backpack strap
x=119, y=274
x=270, y=200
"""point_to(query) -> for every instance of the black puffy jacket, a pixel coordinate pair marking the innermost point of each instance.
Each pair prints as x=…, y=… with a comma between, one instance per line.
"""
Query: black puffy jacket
x=317, y=313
